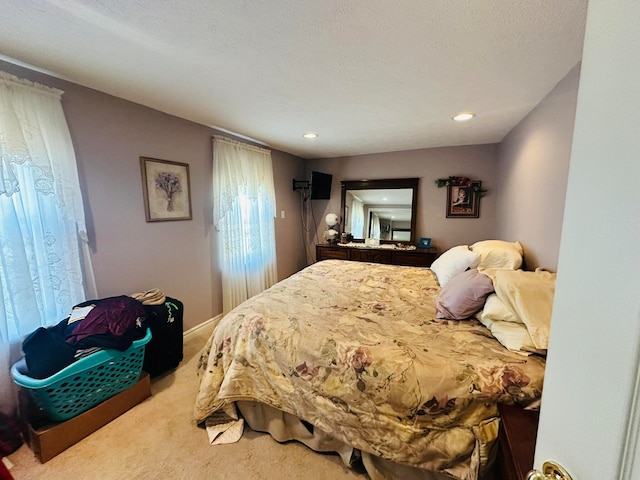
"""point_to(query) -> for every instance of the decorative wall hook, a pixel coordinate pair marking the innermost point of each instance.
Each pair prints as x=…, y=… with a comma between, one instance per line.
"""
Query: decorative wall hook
x=462, y=182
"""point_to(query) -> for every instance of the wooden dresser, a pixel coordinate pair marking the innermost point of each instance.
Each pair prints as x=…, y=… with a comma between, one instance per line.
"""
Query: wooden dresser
x=517, y=442
x=420, y=257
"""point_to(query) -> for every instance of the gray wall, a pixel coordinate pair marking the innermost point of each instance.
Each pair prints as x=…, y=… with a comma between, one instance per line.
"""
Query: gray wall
x=477, y=162
x=129, y=254
x=533, y=165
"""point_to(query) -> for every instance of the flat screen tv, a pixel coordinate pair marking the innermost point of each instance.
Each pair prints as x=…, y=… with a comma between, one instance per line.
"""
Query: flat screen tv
x=320, y=186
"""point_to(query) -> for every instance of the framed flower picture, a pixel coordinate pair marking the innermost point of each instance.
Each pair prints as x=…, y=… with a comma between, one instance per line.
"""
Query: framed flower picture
x=167, y=193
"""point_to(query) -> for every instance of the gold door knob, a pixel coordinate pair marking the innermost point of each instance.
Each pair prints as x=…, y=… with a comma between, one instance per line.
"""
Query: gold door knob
x=536, y=475
x=550, y=471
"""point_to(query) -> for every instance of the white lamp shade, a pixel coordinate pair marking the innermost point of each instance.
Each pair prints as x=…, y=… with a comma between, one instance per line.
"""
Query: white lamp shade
x=331, y=219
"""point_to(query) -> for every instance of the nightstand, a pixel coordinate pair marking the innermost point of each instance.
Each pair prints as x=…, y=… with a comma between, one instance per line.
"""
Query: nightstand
x=517, y=442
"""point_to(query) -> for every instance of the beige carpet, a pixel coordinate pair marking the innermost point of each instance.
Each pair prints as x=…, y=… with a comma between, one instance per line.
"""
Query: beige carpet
x=158, y=440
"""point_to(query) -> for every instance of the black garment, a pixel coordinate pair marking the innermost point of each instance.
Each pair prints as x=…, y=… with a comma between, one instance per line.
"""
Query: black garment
x=46, y=352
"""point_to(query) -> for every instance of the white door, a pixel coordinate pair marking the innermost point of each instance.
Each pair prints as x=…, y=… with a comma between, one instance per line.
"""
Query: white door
x=591, y=385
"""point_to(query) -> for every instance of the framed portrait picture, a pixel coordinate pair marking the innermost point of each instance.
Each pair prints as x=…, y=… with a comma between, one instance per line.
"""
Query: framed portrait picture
x=463, y=201
x=166, y=189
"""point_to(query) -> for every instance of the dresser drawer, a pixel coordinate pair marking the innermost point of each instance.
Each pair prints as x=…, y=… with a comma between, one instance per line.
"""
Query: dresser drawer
x=415, y=258
x=329, y=252
x=375, y=256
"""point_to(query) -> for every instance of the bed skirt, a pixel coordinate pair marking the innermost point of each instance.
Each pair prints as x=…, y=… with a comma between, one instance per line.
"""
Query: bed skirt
x=284, y=427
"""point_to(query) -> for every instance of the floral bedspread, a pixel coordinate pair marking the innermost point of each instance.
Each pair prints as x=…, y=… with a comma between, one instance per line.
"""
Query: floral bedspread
x=355, y=349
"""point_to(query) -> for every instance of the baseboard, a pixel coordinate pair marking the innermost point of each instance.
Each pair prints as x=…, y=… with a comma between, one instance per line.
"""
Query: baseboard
x=202, y=325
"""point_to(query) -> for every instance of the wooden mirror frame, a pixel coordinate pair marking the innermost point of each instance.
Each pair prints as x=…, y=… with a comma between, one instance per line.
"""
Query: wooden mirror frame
x=390, y=183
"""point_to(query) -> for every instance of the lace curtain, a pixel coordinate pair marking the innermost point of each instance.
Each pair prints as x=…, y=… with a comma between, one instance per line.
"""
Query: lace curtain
x=244, y=208
x=375, y=226
x=357, y=219
x=44, y=264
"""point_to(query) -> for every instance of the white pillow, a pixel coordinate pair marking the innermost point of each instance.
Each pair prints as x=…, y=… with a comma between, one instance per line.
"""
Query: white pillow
x=452, y=262
x=530, y=296
x=513, y=336
x=496, y=310
x=498, y=254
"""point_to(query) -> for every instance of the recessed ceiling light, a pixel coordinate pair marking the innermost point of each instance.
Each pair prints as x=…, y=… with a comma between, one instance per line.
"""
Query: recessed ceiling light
x=310, y=135
x=464, y=116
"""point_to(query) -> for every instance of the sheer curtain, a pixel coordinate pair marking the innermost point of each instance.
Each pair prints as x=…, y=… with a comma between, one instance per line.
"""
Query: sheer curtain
x=357, y=219
x=44, y=263
x=244, y=209
x=375, y=226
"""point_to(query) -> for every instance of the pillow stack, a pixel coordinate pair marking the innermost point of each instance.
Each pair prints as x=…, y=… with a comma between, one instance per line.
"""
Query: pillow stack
x=485, y=279
x=481, y=255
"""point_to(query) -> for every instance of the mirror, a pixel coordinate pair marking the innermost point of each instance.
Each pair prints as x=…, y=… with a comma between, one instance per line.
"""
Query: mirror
x=381, y=209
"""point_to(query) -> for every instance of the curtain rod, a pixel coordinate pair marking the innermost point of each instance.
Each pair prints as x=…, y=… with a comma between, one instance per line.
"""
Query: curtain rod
x=13, y=81
x=241, y=144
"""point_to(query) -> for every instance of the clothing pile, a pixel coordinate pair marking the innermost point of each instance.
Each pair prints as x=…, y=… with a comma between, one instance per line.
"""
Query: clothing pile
x=113, y=322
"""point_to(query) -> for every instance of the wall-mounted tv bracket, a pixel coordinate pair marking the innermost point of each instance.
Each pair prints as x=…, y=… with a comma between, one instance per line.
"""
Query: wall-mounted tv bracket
x=300, y=184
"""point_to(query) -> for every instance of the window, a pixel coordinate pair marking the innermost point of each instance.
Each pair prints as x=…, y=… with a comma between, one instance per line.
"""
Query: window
x=44, y=260
x=244, y=212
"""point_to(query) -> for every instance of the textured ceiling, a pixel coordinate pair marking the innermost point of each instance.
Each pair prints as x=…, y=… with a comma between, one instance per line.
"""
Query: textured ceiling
x=367, y=75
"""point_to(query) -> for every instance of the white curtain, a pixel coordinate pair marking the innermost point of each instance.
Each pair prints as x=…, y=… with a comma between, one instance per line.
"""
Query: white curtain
x=375, y=226
x=44, y=263
x=357, y=219
x=244, y=210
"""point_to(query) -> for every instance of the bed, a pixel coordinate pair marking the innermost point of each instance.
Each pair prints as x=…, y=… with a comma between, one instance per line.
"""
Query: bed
x=351, y=357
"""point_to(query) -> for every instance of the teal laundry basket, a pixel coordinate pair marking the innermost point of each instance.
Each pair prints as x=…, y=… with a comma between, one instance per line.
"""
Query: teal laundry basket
x=85, y=383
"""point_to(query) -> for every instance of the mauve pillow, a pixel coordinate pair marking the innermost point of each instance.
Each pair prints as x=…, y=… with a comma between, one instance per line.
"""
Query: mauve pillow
x=463, y=295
